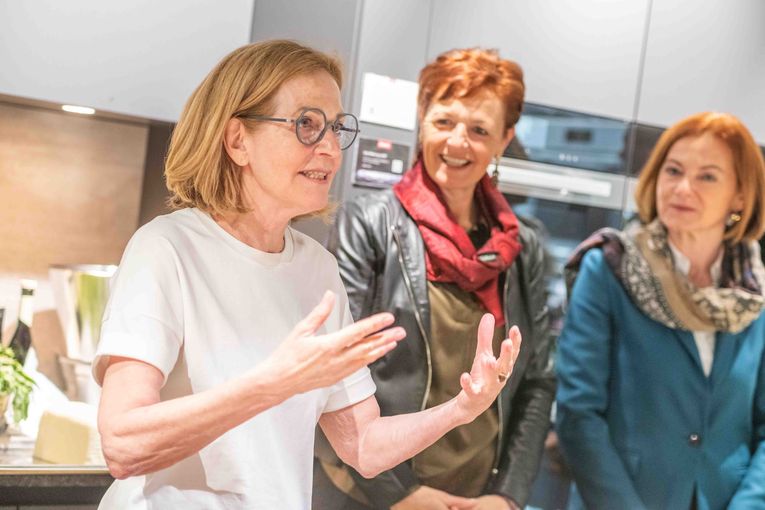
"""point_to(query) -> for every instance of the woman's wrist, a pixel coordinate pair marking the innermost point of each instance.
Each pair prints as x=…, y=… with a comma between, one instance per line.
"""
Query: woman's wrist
x=266, y=388
x=458, y=412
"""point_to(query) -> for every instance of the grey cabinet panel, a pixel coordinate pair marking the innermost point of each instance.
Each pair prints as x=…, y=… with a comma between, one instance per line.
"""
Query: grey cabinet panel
x=141, y=58
x=705, y=55
x=327, y=26
x=392, y=41
x=582, y=55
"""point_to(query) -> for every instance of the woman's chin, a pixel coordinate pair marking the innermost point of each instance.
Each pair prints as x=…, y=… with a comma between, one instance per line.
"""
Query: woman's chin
x=457, y=179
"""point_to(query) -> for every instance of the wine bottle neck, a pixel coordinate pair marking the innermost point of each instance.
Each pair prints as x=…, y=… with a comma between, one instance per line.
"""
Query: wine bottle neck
x=26, y=307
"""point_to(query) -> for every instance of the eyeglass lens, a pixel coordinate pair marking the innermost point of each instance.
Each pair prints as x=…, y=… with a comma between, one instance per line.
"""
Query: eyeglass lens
x=311, y=125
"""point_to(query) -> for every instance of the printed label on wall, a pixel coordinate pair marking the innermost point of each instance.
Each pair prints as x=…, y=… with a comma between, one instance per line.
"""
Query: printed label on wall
x=380, y=163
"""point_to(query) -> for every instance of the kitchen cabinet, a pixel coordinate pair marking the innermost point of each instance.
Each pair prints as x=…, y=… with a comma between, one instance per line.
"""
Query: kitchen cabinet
x=578, y=55
x=704, y=56
x=140, y=58
x=393, y=39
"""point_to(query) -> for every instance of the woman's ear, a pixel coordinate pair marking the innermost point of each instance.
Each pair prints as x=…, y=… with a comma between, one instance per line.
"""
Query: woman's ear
x=737, y=204
x=233, y=141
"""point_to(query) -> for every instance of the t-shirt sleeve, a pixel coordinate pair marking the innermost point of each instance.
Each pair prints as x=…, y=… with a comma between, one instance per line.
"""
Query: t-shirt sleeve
x=143, y=319
x=359, y=385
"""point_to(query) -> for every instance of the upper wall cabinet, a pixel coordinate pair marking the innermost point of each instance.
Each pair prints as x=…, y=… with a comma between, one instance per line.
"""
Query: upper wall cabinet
x=577, y=54
x=705, y=56
x=141, y=58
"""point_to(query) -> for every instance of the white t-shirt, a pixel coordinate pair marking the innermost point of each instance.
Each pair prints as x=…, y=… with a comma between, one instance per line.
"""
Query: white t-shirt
x=203, y=307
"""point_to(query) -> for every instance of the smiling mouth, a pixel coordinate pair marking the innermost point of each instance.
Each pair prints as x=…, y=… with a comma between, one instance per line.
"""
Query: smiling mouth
x=315, y=175
x=454, y=162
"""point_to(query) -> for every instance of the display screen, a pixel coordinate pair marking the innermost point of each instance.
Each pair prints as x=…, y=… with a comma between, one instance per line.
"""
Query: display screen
x=562, y=137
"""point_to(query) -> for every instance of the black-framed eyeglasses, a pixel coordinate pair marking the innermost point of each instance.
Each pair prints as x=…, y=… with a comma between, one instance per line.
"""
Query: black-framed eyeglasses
x=311, y=125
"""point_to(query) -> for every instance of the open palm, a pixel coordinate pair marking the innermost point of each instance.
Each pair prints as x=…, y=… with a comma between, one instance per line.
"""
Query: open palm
x=488, y=375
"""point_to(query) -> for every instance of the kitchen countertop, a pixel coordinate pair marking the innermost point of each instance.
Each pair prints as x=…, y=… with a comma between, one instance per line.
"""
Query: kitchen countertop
x=25, y=480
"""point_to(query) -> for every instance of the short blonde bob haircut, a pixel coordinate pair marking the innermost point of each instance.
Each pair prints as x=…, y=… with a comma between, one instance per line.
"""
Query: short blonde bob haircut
x=747, y=161
x=465, y=73
x=198, y=171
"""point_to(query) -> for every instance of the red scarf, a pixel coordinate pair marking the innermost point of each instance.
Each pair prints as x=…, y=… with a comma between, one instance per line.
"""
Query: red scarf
x=449, y=254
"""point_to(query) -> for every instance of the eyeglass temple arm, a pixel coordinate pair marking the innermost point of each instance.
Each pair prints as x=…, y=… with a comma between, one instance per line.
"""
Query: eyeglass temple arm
x=274, y=119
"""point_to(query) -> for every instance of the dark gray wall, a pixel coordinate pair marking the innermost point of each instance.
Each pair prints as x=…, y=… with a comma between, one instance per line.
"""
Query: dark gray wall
x=393, y=41
x=154, y=193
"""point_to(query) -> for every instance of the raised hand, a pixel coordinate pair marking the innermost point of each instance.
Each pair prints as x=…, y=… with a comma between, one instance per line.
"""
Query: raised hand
x=488, y=374
x=305, y=361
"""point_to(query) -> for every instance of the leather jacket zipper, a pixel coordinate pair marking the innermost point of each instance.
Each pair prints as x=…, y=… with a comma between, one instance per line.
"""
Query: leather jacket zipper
x=417, y=316
x=500, y=416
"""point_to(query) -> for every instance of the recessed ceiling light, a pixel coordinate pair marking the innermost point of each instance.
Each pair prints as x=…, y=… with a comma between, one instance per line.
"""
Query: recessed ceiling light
x=85, y=110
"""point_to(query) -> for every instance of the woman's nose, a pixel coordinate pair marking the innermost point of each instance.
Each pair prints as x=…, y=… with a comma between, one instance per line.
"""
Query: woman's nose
x=458, y=135
x=329, y=144
x=684, y=185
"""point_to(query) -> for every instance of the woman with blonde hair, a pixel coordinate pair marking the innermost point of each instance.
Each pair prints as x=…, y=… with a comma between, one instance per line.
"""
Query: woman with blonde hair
x=661, y=361
x=215, y=359
x=439, y=250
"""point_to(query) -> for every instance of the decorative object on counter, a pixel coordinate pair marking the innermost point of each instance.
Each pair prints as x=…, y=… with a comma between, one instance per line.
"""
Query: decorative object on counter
x=21, y=341
x=80, y=292
x=69, y=435
x=78, y=381
x=15, y=386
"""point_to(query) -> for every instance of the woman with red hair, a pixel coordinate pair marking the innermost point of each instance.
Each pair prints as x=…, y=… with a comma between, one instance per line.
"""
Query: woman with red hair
x=439, y=250
x=661, y=361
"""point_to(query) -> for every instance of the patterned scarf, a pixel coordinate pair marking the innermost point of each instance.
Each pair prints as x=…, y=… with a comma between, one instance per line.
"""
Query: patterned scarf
x=641, y=259
x=449, y=253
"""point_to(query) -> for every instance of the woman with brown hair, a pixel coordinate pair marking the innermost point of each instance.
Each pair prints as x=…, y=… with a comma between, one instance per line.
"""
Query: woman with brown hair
x=438, y=251
x=215, y=360
x=661, y=362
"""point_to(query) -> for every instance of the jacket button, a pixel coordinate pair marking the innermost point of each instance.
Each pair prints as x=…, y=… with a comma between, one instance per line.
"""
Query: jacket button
x=694, y=440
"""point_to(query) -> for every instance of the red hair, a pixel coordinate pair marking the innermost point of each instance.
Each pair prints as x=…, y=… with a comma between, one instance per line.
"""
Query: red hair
x=747, y=161
x=468, y=72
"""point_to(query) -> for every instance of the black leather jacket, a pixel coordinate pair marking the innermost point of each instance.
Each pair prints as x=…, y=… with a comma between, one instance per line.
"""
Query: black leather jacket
x=381, y=257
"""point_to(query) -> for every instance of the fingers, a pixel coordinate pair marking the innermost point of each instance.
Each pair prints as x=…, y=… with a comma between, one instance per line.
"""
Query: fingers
x=316, y=317
x=511, y=348
x=485, y=334
x=377, y=345
x=458, y=502
x=350, y=335
x=466, y=382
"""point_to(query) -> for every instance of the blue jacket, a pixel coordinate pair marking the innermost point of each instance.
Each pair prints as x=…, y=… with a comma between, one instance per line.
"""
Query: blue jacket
x=639, y=422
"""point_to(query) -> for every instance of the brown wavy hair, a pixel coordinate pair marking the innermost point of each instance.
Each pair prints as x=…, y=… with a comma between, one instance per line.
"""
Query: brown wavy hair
x=198, y=171
x=467, y=72
x=748, y=164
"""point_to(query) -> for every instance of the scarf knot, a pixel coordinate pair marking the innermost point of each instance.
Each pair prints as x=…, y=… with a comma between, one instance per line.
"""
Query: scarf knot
x=450, y=255
x=641, y=259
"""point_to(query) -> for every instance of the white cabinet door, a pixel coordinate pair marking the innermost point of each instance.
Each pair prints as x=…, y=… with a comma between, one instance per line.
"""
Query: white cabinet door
x=582, y=55
x=705, y=55
x=141, y=57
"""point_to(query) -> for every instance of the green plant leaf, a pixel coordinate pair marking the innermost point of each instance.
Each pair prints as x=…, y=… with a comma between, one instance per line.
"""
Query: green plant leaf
x=16, y=383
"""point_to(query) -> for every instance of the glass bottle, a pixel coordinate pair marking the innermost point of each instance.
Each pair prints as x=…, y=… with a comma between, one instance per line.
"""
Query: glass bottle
x=22, y=337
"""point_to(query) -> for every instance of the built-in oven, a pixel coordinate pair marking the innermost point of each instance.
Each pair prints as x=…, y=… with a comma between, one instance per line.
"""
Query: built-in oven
x=568, y=171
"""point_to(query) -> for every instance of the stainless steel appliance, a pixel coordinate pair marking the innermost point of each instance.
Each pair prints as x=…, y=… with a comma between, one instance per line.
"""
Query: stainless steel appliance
x=80, y=292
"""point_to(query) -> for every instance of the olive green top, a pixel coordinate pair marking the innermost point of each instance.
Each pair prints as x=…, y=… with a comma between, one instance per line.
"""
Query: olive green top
x=460, y=462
